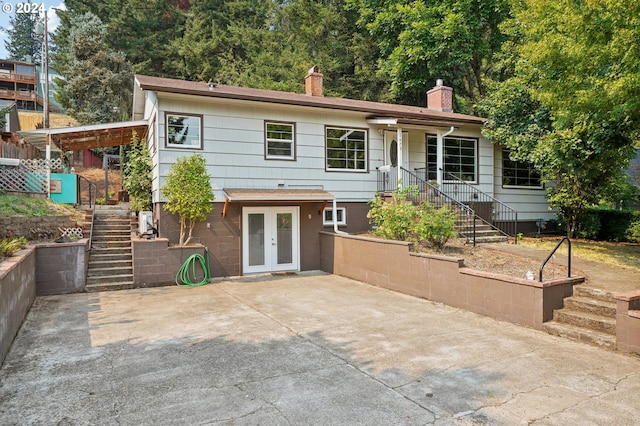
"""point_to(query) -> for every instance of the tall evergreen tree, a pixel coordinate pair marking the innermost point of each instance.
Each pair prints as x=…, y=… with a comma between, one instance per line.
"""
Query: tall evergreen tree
x=23, y=43
x=96, y=82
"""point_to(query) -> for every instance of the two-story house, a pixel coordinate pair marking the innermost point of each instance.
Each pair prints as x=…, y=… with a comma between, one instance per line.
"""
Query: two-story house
x=279, y=162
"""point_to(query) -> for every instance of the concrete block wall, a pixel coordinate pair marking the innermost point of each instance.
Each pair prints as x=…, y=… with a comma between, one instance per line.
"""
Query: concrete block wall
x=628, y=322
x=391, y=265
x=155, y=263
x=61, y=267
x=17, y=293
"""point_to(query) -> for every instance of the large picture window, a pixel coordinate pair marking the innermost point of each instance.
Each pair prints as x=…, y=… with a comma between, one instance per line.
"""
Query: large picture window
x=459, y=158
x=346, y=149
x=280, y=141
x=518, y=173
x=184, y=131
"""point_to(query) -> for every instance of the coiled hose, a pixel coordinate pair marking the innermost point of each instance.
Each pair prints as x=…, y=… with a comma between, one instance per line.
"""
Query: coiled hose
x=184, y=279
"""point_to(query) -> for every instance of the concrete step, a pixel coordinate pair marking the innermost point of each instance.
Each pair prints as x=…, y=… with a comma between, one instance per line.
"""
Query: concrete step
x=580, y=334
x=593, y=293
x=112, y=227
x=124, y=262
x=105, y=279
x=102, y=244
x=586, y=320
x=108, y=271
x=94, y=288
x=106, y=255
x=111, y=237
x=593, y=306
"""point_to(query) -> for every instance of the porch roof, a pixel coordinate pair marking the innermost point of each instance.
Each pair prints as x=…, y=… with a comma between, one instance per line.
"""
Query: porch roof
x=84, y=137
x=284, y=194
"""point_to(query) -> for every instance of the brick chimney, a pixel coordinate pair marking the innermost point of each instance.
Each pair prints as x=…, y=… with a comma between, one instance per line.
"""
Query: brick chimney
x=313, y=82
x=440, y=98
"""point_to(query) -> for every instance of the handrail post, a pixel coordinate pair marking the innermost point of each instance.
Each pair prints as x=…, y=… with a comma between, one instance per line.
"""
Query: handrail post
x=551, y=255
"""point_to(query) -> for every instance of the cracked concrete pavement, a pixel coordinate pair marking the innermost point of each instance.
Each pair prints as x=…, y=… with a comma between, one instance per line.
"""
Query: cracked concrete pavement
x=305, y=349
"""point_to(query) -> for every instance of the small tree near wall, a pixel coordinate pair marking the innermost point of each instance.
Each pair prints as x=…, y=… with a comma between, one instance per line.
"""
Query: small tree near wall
x=188, y=192
x=137, y=175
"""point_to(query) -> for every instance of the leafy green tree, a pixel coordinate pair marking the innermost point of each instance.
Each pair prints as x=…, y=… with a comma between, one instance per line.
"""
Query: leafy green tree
x=571, y=102
x=136, y=176
x=96, y=82
x=23, y=43
x=188, y=192
x=422, y=41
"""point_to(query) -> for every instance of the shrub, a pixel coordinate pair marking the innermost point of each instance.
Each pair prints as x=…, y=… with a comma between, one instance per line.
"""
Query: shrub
x=10, y=246
x=137, y=175
x=633, y=232
x=398, y=218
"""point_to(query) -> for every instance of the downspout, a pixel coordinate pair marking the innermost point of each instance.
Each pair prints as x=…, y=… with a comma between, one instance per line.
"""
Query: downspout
x=334, y=215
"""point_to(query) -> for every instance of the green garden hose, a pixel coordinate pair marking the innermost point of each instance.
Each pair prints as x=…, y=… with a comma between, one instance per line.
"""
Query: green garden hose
x=183, y=278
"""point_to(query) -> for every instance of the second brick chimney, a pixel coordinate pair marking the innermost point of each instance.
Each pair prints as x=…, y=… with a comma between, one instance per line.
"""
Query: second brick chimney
x=313, y=82
x=440, y=98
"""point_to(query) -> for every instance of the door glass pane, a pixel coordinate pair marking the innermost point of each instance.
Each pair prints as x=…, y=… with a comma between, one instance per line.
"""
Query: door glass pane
x=256, y=239
x=285, y=238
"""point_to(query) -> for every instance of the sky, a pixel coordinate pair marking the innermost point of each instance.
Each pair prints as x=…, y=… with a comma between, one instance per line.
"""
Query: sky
x=8, y=10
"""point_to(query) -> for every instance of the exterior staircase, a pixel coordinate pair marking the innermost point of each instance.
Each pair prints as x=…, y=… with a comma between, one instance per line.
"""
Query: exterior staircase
x=111, y=257
x=484, y=232
x=588, y=316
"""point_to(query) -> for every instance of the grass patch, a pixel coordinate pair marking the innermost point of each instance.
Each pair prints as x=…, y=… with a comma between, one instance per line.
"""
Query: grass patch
x=619, y=254
x=14, y=205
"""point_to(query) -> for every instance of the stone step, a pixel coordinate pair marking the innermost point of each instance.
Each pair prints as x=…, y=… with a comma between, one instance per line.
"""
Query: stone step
x=580, y=334
x=490, y=239
x=112, y=227
x=94, y=288
x=104, y=279
x=593, y=306
x=593, y=293
x=586, y=320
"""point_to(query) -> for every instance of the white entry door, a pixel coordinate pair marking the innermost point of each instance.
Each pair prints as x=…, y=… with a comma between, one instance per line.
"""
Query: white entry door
x=270, y=239
x=391, y=149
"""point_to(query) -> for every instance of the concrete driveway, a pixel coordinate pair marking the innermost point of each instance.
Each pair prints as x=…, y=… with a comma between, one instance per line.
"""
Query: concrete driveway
x=304, y=349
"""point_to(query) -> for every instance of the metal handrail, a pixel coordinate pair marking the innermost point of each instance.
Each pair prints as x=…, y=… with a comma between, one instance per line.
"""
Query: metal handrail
x=388, y=181
x=551, y=255
x=93, y=190
x=504, y=218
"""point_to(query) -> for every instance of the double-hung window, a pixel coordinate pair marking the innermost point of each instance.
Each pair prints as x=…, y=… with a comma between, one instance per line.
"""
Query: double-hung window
x=183, y=131
x=518, y=173
x=280, y=140
x=459, y=158
x=346, y=149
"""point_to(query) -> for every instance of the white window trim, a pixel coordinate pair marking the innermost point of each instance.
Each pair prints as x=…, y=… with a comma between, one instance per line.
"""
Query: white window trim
x=267, y=140
x=181, y=146
x=541, y=186
x=329, y=222
x=366, y=150
x=476, y=147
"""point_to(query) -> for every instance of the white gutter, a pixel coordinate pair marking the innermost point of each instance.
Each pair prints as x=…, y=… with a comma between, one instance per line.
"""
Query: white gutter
x=334, y=215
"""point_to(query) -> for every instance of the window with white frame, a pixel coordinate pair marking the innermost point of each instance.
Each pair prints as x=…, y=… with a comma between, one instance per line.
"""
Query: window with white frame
x=519, y=173
x=341, y=216
x=280, y=140
x=183, y=131
x=346, y=149
x=459, y=157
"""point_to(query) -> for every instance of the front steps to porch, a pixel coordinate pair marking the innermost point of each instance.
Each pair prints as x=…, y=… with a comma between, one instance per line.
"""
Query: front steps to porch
x=588, y=316
x=483, y=231
x=111, y=257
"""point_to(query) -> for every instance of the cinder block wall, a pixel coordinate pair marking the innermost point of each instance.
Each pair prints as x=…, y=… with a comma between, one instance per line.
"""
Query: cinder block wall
x=391, y=265
x=17, y=293
x=628, y=322
x=61, y=267
x=156, y=264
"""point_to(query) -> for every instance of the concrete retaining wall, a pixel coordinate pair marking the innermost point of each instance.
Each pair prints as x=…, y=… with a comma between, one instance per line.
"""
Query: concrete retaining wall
x=156, y=264
x=61, y=267
x=17, y=293
x=391, y=264
x=628, y=322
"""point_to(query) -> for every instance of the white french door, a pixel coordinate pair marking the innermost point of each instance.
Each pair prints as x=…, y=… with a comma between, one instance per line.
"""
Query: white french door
x=270, y=239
